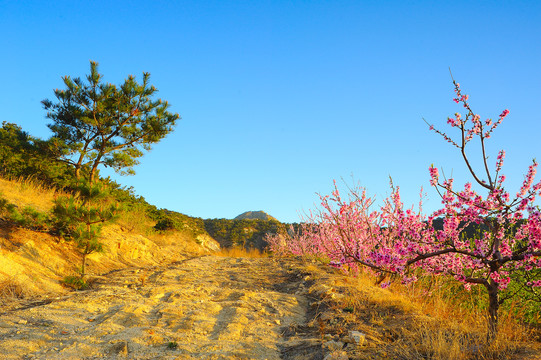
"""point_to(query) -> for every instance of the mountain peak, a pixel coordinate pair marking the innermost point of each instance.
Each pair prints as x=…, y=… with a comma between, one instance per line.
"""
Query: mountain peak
x=254, y=215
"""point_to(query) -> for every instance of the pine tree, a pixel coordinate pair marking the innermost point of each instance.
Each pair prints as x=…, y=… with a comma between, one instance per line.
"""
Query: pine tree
x=81, y=217
x=97, y=123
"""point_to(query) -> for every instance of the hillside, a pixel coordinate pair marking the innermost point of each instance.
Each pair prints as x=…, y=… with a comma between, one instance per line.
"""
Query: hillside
x=143, y=235
x=37, y=261
x=219, y=307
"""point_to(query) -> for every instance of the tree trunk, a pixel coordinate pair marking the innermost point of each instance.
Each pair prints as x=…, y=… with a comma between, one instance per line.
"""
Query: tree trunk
x=83, y=267
x=493, y=305
x=94, y=168
x=92, y=174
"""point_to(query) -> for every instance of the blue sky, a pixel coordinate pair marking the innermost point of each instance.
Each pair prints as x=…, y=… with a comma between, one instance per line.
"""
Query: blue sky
x=278, y=98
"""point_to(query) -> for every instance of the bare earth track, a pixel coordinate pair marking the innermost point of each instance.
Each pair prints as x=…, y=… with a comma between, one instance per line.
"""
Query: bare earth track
x=205, y=307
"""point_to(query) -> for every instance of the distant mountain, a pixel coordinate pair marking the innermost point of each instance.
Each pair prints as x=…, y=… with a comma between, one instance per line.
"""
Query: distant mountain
x=254, y=215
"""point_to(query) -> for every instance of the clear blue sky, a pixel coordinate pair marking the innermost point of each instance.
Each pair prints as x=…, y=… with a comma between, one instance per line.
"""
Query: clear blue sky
x=278, y=98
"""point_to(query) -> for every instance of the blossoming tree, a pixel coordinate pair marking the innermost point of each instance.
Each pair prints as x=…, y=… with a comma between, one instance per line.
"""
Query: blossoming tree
x=397, y=241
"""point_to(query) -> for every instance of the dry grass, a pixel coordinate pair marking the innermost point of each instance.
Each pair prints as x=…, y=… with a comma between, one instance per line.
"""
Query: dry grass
x=135, y=220
x=237, y=252
x=410, y=323
x=468, y=322
x=10, y=291
x=28, y=192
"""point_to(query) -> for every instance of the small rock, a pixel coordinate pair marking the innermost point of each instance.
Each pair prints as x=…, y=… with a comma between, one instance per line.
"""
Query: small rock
x=357, y=337
x=327, y=316
x=333, y=345
x=120, y=348
x=23, y=322
x=337, y=355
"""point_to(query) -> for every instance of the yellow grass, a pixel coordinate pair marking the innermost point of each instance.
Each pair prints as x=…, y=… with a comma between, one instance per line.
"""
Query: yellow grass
x=10, y=290
x=237, y=252
x=405, y=322
x=28, y=192
x=136, y=220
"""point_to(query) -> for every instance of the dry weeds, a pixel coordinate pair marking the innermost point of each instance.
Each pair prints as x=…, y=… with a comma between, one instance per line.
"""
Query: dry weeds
x=238, y=252
x=10, y=290
x=135, y=220
x=29, y=192
x=399, y=323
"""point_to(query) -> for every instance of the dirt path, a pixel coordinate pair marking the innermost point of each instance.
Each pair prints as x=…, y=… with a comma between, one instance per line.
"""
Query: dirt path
x=201, y=308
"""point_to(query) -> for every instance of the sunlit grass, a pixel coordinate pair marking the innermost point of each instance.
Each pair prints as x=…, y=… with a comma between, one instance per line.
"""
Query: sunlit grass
x=423, y=321
x=10, y=289
x=238, y=252
x=135, y=220
x=29, y=192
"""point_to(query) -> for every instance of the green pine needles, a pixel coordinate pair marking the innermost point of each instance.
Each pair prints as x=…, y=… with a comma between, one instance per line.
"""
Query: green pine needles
x=80, y=217
x=96, y=123
x=28, y=217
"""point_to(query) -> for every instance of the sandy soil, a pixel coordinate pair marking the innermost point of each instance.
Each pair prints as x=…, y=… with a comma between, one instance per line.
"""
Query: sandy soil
x=205, y=307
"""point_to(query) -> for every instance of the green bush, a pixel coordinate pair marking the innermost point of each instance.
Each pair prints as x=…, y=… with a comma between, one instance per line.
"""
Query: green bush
x=22, y=155
x=75, y=282
x=28, y=218
x=169, y=220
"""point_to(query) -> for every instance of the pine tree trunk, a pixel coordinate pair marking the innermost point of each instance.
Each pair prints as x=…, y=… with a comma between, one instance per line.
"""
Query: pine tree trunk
x=83, y=268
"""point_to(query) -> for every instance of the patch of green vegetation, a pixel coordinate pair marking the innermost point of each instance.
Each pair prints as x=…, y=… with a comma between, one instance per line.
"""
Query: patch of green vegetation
x=23, y=156
x=28, y=217
x=75, y=282
x=170, y=220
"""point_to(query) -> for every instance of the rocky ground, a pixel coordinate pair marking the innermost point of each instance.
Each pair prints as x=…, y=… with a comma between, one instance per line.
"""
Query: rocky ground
x=217, y=307
x=204, y=307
